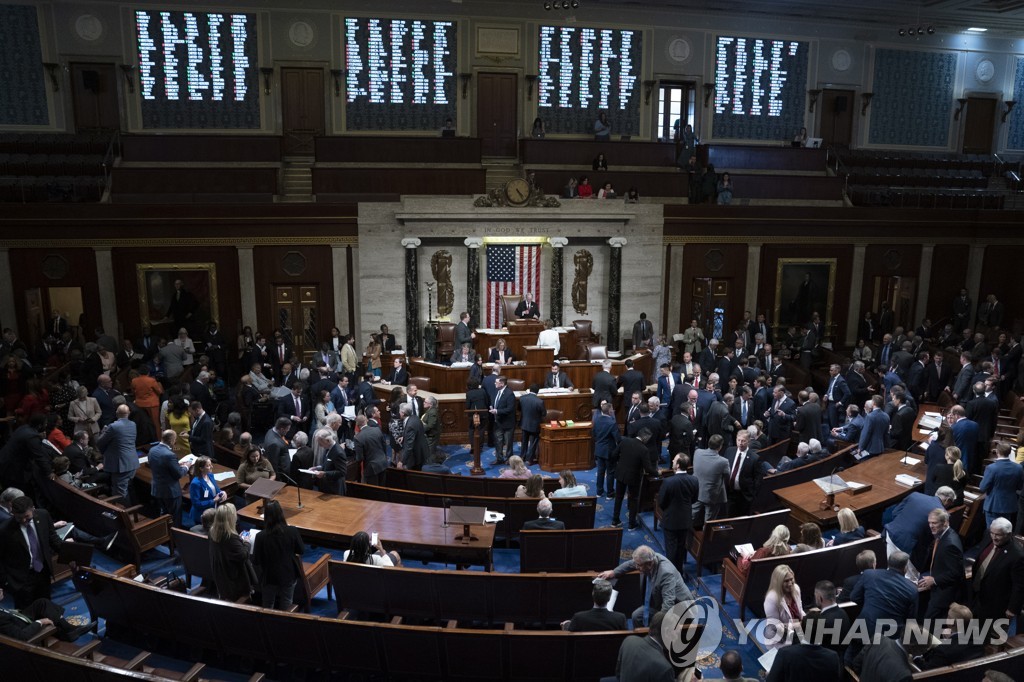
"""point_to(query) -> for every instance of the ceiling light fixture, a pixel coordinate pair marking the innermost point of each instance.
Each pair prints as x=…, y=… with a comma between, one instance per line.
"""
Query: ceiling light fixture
x=976, y=29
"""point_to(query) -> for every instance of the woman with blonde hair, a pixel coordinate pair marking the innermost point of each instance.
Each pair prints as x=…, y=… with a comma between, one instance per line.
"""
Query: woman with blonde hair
x=777, y=544
x=849, y=528
x=229, y=556
x=950, y=473
x=534, y=487
x=782, y=606
x=516, y=468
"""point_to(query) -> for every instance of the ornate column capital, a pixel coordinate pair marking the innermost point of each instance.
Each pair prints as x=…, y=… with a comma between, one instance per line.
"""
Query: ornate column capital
x=473, y=242
x=411, y=242
x=617, y=242
x=558, y=242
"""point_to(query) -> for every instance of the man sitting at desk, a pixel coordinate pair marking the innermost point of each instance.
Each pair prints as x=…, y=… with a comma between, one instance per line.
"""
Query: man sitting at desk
x=556, y=378
x=527, y=308
x=399, y=375
x=544, y=520
x=549, y=338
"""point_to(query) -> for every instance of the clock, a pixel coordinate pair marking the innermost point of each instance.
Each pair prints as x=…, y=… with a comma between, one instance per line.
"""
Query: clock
x=517, y=191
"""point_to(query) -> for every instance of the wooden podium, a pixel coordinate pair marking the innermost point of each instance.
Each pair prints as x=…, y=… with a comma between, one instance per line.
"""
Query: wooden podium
x=566, y=447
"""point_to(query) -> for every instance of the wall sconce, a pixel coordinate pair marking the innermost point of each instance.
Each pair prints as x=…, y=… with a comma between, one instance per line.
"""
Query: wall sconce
x=648, y=89
x=53, y=69
x=708, y=89
x=268, y=73
x=129, y=80
x=1009, y=104
x=531, y=80
x=866, y=102
x=961, y=103
x=338, y=75
x=813, y=94
x=464, y=78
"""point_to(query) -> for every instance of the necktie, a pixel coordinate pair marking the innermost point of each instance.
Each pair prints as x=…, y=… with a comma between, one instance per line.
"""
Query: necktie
x=556, y=383
x=743, y=414
x=280, y=349
x=298, y=408
x=19, y=615
x=416, y=407
x=693, y=412
x=33, y=547
x=195, y=426
x=648, y=588
x=831, y=387
x=985, y=560
x=736, y=465
x=497, y=398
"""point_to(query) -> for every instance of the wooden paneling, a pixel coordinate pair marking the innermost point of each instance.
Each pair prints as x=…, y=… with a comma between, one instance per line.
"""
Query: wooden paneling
x=195, y=180
x=366, y=149
x=770, y=256
x=582, y=152
x=1001, y=276
x=211, y=148
x=295, y=265
x=948, y=276
x=718, y=261
x=94, y=96
x=363, y=181
x=758, y=157
x=79, y=267
x=671, y=183
x=496, y=107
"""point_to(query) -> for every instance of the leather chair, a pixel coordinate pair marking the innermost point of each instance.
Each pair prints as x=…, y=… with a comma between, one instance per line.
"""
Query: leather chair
x=596, y=352
x=517, y=384
x=445, y=341
x=584, y=335
x=554, y=415
x=422, y=383
x=509, y=303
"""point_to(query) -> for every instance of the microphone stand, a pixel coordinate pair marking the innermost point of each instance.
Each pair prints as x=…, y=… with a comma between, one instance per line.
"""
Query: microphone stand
x=444, y=507
x=830, y=497
x=298, y=488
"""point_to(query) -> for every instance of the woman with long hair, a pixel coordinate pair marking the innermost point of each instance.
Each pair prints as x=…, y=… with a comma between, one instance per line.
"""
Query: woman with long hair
x=569, y=486
x=229, y=555
x=534, y=487
x=777, y=544
x=516, y=468
x=360, y=551
x=950, y=473
x=810, y=535
x=782, y=605
x=203, y=492
x=275, y=552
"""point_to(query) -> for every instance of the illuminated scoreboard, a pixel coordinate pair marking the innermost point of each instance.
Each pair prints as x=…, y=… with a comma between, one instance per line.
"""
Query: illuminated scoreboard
x=400, y=74
x=760, y=88
x=584, y=71
x=198, y=69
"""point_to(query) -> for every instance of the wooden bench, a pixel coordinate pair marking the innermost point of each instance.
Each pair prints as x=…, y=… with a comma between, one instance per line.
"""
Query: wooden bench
x=718, y=537
x=194, y=550
x=1009, y=662
x=574, y=512
x=569, y=551
x=262, y=638
x=135, y=533
x=766, y=499
x=831, y=563
x=452, y=484
x=226, y=457
x=470, y=597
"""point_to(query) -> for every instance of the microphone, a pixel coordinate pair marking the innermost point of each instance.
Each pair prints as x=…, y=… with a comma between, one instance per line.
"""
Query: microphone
x=298, y=487
x=445, y=503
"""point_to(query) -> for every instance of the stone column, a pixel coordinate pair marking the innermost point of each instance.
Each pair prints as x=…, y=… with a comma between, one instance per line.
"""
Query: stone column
x=853, y=314
x=247, y=287
x=924, y=281
x=412, y=297
x=8, y=314
x=473, y=245
x=105, y=279
x=557, y=271
x=614, y=291
x=353, y=282
x=339, y=269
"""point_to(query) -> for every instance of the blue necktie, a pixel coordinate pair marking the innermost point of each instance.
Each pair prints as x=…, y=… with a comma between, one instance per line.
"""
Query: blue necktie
x=34, y=549
x=744, y=417
x=647, y=601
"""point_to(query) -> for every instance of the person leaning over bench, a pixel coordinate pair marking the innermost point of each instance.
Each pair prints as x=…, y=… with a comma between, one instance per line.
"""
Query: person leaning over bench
x=599, y=618
x=662, y=586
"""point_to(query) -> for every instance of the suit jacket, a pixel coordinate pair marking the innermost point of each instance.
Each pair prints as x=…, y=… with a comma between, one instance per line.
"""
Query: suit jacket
x=643, y=334
x=884, y=594
x=275, y=449
x=712, y=472
x=399, y=377
x=778, y=427
x=371, y=449
x=544, y=524
x=505, y=405
x=23, y=628
x=965, y=436
x=937, y=378
x=821, y=624
x=199, y=391
x=201, y=436
x=800, y=662
x=675, y=498
x=631, y=381
x=415, y=450
x=15, y=557
x=633, y=462
x=1001, y=587
x=23, y=457
x=563, y=380
x=984, y=413
x=917, y=381
x=532, y=409
x=1002, y=479
x=526, y=310
x=604, y=386
x=901, y=427
x=749, y=476
x=167, y=473
x=947, y=568
x=657, y=435
x=335, y=470
x=680, y=434
x=714, y=420
x=707, y=361
x=606, y=436
x=117, y=443
x=883, y=660
x=875, y=432
x=667, y=586
x=286, y=408
x=641, y=659
x=463, y=334
x=680, y=394
x=962, y=383
x=908, y=529
x=807, y=424
x=597, y=620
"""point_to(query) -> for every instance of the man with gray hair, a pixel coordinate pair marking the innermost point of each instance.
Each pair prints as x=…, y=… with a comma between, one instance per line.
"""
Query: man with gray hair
x=604, y=384
x=944, y=574
x=415, y=451
x=598, y=618
x=884, y=595
x=166, y=484
x=660, y=581
x=332, y=476
x=120, y=460
x=908, y=531
x=544, y=520
x=275, y=444
x=997, y=584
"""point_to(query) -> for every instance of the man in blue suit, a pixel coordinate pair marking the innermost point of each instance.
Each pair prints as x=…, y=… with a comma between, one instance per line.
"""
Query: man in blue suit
x=532, y=411
x=1002, y=479
x=117, y=443
x=884, y=595
x=667, y=382
x=503, y=408
x=965, y=435
x=876, y=429
x=908, y=531
x=848, y=432
x=780, y=415
x=606, y=444
x=836, y=397
x=167, y=473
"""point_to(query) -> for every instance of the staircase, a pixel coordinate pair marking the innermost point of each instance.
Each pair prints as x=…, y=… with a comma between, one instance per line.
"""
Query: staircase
x=296, y=179
x=500, y=170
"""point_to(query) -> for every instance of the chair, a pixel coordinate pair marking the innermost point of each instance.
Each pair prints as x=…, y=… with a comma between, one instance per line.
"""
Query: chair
x=554, y=415
x=517, y=384
x=445, y=340
x=584, y=336
x=596, y=352
x=509, y=303
x=421, y=383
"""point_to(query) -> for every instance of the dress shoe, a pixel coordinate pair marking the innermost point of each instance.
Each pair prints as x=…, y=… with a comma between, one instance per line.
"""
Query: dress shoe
x=75, y=632
x=635, y=526
x=616, y=524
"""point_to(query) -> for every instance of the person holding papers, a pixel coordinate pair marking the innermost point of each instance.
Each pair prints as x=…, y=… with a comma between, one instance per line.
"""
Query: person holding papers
x=204, y=491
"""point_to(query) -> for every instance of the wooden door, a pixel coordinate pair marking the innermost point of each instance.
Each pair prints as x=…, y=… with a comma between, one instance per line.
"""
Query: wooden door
x=302, y=109
x=94, y=96
x=979, y=125
x=835, y=117
x=901, y=294
x=297, y=315
x=708, y=305
x=496, y=117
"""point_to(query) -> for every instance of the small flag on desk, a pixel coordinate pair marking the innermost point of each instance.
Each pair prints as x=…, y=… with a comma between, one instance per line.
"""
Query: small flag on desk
x=510, y=270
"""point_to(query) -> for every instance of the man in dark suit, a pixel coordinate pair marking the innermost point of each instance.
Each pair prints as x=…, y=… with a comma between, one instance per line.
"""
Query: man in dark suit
x=917, y=376
x=937, y=377
x=668, y=382
x=556, y=378
x=744, y=475
x=643, y=333
x=27, y=545
x=296, y=408
x=884, y=594
x=120, y=458
x=649, y=421
x=527, y=308
x=807, y=423
x=643, y=657
x=837, y=395
x=633, y=463
x=901, y=426
x=675, y=499
x=167, y=473
x=708, y=358
x=201, y=435
x=387, y=340
x=331, y=478
x=805, y=661
x=760, y=326
x=532, y=411
x=280, y=355
x=199, y=391
x=882, y=659
x=965, y=434
x=503, y=409
x=743, y=409
x=828, y=625
x=604, y=384
x=399, y=375
x=598, y=618
x=372, y=450
x=780, y=415
x=24, y=624
x=463, y=334
x=415, y=401
x=984, y=413
x=24, y=460
x=104, y=395
x=606, y=444
x=680, y=433
x=997, y=584
x=944, y=574
x=876, y=428
x=865, y=561
x=963, y=645
x=717, y=417
x=632, y=380
x=1001, y=483
x=633, y=411
x=544, y=520
x=964, y=379
x=275, y=444
x=415, y=451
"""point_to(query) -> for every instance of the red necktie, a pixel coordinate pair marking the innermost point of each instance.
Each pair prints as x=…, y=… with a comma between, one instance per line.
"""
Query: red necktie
x=736, y=469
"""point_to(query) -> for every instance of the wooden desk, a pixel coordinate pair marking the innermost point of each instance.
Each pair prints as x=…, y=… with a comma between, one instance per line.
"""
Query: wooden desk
x=446, y=379
x=803, y=499
x=230, y=485
x=920, y=435
x=332, y=520
x=518, y=338
x=566, y=447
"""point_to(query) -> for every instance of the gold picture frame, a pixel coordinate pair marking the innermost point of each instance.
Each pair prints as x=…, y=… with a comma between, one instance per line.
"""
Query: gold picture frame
x=156, y=289
x=804, y=286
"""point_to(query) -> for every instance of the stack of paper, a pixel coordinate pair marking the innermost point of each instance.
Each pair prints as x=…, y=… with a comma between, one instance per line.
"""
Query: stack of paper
x=907, y=480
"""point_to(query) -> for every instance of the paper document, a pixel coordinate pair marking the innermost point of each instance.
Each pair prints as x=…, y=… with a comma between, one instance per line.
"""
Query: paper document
x=910, y=461
x=611, y=602
x=929, y=423
x=349, y=413
x=923, y=445
x=745, y=548
x=907, y=480
x=854, y=485
x=187, y=460
x=969, y=496
x=224, y=475
x=311, y=472
x=64, y=532
x=768, y=659
x=493, y=517
x=143, y=460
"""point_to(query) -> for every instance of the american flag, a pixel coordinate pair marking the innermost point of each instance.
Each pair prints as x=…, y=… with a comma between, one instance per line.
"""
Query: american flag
x=510, y=270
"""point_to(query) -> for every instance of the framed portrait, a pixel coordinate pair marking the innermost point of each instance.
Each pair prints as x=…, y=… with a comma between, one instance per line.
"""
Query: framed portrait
x=175, y=295
x=804, y=286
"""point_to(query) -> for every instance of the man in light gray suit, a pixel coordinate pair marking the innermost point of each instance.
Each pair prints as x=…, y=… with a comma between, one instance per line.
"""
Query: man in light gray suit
x=117, y=443
x=712, y=472
x=666, y=585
